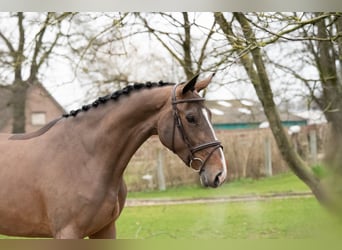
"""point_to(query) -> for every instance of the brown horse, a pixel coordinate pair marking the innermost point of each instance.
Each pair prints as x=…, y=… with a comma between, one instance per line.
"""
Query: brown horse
x=65, y=180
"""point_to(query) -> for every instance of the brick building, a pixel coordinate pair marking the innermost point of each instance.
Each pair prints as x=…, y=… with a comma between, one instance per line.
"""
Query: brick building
x=41, y=108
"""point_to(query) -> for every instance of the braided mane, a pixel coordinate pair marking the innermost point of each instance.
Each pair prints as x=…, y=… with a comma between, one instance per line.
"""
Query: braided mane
x=116, y=95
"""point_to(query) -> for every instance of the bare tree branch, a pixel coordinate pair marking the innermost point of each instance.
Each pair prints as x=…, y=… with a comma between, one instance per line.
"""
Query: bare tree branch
x=19, y=53
x=8, y=43
x=38, y=45
x=296, y=26
x=152, y=31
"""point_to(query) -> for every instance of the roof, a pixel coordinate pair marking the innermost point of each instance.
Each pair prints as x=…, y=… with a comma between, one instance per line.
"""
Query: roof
x=313, y=116
x=242, y=111
x=60, y=107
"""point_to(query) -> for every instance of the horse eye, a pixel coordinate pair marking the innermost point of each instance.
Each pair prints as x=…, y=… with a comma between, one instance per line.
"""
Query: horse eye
x=190, y=119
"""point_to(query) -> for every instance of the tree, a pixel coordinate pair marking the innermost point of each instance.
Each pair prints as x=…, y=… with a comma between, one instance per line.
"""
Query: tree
x=122, y=40
x=326, y=51
x=176, y=34
x=96, y=45
x=25, y=50
x=109, y=51
x=240, y=32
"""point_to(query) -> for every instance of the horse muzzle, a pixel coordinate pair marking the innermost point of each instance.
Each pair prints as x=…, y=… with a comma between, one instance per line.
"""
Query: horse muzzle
x=213, y=178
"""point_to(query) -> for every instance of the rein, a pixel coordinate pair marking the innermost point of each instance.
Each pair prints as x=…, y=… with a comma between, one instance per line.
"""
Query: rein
x=192, y=149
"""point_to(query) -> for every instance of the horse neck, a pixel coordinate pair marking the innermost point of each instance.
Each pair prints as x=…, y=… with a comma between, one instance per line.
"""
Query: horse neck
x=120, y=128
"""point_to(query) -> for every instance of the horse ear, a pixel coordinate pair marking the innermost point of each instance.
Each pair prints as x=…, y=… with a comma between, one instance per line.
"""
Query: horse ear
x=190, y=85
x=204, y=83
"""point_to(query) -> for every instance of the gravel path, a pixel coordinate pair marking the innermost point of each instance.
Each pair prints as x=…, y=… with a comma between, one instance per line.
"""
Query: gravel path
x=227, y=199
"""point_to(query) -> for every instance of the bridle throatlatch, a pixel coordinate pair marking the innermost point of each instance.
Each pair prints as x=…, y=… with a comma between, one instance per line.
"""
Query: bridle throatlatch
x=194, y=161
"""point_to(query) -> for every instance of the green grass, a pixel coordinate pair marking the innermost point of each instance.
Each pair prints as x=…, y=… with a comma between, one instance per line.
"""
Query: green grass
x=285, y=219
x=284, y=183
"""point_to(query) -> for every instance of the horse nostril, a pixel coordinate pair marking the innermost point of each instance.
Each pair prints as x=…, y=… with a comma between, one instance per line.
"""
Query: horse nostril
x=217, y=179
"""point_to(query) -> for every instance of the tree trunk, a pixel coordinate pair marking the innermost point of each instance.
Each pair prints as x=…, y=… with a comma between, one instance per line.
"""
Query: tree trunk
x=18, y=57
x=326, y=55
x=18, y=103
x=333, y=157
x=186, y=44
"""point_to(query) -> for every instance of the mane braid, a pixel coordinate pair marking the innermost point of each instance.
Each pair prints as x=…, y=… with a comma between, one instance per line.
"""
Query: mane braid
x=116, y=95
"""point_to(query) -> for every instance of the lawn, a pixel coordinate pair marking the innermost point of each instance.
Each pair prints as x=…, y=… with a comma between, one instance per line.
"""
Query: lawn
x=276, y=219
x=287, y=218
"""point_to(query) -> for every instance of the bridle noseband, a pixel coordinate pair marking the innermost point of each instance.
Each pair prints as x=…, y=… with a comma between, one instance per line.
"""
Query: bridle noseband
x=192, y=149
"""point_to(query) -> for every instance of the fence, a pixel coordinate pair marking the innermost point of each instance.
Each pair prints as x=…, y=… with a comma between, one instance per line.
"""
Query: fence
x=249, y=153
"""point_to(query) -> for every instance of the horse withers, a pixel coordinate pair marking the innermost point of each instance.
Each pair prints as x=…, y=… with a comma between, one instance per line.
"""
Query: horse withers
x=66, y=179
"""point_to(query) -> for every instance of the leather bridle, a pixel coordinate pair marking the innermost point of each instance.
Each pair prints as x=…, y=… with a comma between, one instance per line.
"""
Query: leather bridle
x=192, y=149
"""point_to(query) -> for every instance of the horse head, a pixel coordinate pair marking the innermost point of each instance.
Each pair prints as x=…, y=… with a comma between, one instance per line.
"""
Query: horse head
x=185, y=128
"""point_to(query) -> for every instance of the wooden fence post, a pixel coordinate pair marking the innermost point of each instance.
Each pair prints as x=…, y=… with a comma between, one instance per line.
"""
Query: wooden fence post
x=268, y=156
x=160, y=169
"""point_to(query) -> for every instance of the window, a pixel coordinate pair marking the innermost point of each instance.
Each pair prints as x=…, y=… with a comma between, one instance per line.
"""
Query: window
x=38, y=118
